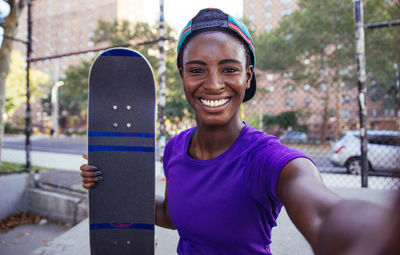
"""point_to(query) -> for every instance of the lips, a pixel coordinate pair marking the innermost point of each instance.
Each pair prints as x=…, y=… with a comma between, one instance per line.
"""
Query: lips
x=214, y=103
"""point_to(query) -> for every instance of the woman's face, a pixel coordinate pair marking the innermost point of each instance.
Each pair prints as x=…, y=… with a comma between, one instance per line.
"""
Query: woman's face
x=215, y=77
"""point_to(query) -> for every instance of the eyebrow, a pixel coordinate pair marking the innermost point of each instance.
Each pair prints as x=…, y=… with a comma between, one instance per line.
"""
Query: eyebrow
x=224, y=61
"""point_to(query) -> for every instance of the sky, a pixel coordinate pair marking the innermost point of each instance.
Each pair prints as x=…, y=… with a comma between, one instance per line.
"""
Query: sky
x=178, y=12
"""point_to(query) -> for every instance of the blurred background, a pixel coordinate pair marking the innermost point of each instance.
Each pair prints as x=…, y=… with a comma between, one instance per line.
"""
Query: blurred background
x=327, y=71
x=306, y=68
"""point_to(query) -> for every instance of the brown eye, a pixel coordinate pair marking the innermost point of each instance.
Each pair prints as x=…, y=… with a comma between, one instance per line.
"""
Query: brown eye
x=196, y=70
x=230, y=70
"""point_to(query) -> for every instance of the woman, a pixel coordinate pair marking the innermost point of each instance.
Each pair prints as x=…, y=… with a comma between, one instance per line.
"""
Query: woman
x=226, y=181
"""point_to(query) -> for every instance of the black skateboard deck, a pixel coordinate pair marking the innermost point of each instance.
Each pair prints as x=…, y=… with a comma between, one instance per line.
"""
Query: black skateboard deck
x=121, y=144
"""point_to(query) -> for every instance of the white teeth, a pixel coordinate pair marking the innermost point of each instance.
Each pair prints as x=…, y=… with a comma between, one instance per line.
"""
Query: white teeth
x=214, y=103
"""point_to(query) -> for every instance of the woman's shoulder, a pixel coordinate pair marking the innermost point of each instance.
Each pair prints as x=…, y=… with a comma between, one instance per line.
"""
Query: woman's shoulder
x=254, y=138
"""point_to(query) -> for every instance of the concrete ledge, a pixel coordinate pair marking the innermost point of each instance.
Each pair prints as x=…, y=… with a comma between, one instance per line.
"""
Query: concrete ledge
x=58, y=207
x=12, y=194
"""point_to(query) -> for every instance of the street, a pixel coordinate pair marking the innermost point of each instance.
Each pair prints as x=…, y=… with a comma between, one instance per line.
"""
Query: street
x=78, y=145
x=64, y=152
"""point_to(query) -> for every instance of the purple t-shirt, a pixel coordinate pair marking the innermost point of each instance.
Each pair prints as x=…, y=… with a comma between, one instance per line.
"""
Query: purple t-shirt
x=228, y=204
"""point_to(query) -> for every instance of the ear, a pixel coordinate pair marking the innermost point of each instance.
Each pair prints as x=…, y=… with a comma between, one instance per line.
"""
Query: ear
x=249, y=75
x=180, y=69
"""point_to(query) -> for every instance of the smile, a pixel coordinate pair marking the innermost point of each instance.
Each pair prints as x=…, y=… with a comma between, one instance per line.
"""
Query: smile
x=214, y=103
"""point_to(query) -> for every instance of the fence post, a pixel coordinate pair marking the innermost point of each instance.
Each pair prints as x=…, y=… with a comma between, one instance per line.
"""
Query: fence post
x=162, y=82
x=28, y=119
x=362, y=93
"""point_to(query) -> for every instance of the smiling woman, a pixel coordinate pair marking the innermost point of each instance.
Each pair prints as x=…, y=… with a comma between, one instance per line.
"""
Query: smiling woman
x=227, y=181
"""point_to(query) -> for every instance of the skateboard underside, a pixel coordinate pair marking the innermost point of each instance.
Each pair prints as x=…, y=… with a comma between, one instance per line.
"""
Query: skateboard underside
x=121, y=144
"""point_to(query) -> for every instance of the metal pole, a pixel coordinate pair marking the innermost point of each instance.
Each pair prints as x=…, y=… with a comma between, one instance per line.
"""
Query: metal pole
x=162, y=82
x=396, y=67
x=28, y=128
x=362, y=93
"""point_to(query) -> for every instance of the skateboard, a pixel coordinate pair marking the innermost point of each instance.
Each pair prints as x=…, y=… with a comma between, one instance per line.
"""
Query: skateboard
x=121, y=144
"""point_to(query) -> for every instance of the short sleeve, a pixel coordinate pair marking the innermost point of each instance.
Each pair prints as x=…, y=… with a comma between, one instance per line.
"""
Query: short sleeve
x=167, y=155
x=264, y=165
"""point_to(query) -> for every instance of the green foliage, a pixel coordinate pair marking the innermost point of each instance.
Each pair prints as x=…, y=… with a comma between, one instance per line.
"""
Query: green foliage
x=16, y=84
x=123, y=32
x=11, y=167
x=322, y=32
x=74, y=94
x=283, y=120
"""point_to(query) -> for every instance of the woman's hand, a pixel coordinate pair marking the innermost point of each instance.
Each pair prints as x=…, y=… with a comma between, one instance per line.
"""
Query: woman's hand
x=90, y=175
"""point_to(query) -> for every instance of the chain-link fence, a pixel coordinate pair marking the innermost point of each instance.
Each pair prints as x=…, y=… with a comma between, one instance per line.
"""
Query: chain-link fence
x=307, y=85
x=306, y=73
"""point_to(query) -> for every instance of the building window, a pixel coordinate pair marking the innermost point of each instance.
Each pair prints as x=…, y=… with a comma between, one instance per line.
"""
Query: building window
x=267, y=15
x=289, y=88
x=286, y=12
x=267, y=3
x=374, y=112
x=268, y=27
x=345, y=99
x=251, y=17
x=388, y=112
x=270, y=102
x=285, y=1
x=289, y=101
x=251, y=5
x=270, y=77
x=270, y=89
x=345, y=114
x=323, y=86
x=307, y=87
x=307, y=100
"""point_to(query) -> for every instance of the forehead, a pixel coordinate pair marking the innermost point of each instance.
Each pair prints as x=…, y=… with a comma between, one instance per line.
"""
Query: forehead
x=214, y=43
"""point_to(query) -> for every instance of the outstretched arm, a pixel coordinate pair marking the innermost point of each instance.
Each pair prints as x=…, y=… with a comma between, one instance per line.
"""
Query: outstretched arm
x=330, y=224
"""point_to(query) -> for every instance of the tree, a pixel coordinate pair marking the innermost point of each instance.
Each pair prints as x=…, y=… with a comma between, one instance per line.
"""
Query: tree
x=123, y=32
x=73, y=95
x=16, y=84
x=316, y=44
x=10, y=29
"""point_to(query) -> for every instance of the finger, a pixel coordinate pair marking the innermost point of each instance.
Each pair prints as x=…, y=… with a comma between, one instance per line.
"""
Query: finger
x=88, y=185
x=85, y=156
x=91, y=174
x=86, y=167
x=92, y=179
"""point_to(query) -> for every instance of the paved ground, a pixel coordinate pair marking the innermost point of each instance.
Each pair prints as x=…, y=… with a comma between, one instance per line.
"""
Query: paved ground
x=24, y=239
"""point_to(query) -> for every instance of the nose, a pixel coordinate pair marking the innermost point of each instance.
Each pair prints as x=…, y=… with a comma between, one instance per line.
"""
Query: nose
x=214, y=82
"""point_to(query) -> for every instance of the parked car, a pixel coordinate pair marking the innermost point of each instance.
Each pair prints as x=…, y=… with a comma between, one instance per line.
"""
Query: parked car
x=294, y=137
x=383, y=151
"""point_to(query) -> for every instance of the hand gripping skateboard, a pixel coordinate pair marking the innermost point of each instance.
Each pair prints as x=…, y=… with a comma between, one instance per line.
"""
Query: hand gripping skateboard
x=121, y=145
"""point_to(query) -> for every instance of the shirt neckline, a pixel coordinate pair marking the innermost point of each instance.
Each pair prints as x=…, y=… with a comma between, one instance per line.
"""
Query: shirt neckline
x=189, y=136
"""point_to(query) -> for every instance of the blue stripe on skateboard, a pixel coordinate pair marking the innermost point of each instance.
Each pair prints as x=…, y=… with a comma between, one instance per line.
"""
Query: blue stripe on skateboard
x=101, y=148
x=121, y=53
x=120, y=134
x=117, y=225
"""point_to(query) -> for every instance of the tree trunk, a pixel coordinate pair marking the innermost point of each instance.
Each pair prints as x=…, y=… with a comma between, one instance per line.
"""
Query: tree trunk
x=10, y=26
x=326, y=115
x=339, y=93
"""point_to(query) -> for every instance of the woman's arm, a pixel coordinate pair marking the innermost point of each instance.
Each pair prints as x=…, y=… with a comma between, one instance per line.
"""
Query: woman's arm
x=162, y=213
x=330, y=224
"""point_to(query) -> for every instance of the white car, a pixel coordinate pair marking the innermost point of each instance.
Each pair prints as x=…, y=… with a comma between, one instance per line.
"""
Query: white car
x=383, y=151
